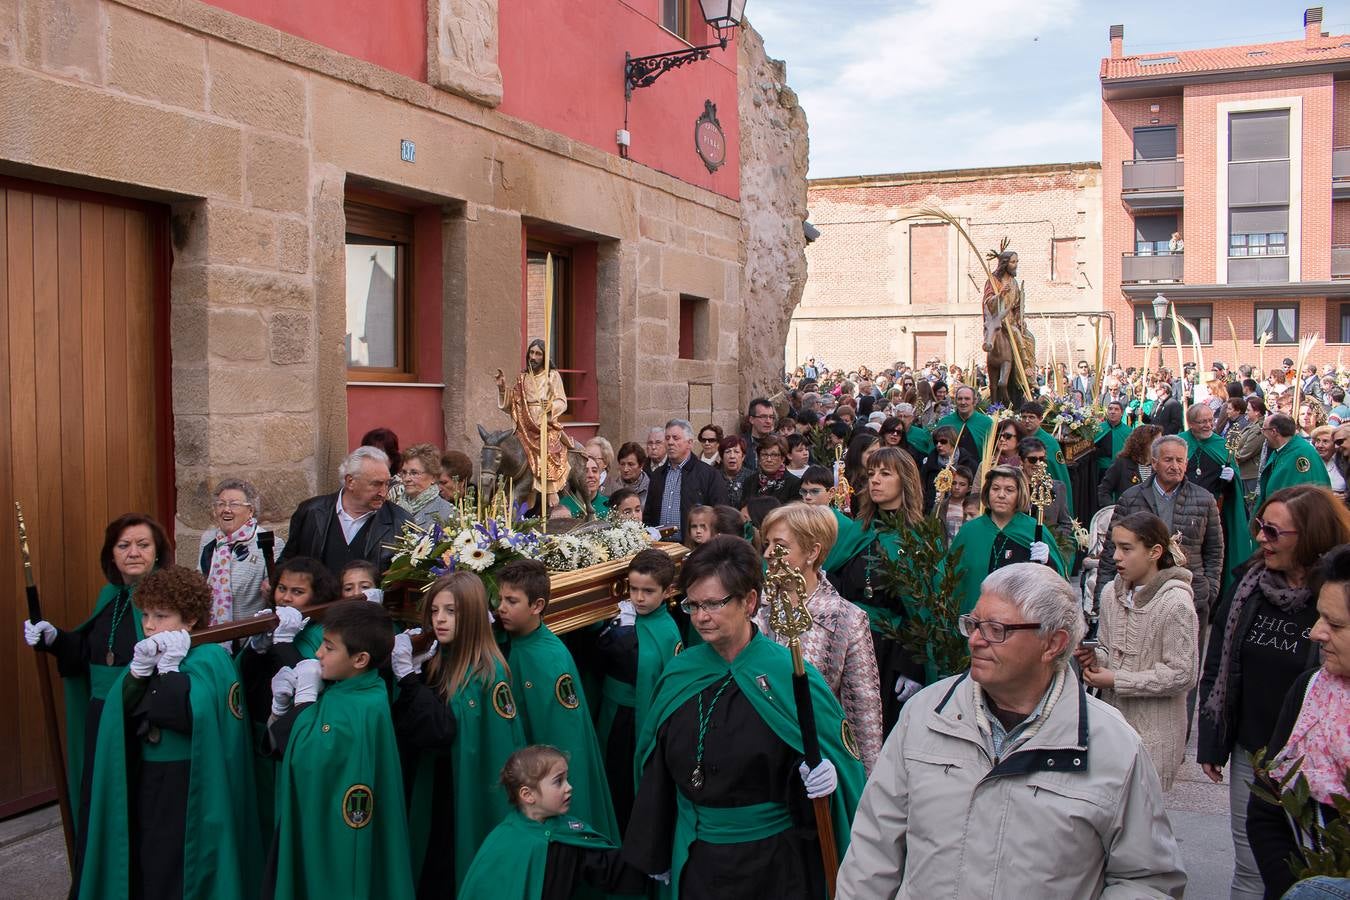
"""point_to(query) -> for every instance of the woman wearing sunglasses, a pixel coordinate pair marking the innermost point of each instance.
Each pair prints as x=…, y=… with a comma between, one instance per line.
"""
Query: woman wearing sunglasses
x=1260, y=644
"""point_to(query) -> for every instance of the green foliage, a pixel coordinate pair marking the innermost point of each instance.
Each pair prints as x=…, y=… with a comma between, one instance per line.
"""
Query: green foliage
x=923, y=575
x=822, y=452
x=1326, y=846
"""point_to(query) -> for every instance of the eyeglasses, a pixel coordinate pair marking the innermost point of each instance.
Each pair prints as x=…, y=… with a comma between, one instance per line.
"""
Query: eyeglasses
x=807, y=493
x=991, y=631
x=1268, y=531
x=708, y=440
x=763, y=416
x=1034, y=459
x=692, y=607
x=232, y=504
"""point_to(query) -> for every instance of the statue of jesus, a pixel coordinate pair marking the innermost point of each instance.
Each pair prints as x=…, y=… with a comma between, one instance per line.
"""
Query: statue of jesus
x=534, y=391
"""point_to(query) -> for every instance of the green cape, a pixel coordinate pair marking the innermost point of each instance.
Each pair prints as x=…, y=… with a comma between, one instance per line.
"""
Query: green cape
x=512, y=860
x=488, y=730
x=599, y=506
x=976, y=539
x=341, y=826
x=1237, y=537
x=80, y=689
x=1295, y=463
x=852, y=540
x=222, y=856
x=658, y=643
x=1119, y=433
x=553, y=708
x=918, y=438
x=763, y=672
x=1058, y=465
x=978, y=425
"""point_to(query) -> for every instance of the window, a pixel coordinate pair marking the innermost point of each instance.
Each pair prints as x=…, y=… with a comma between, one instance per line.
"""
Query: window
x=559, y=342
x=1341, y=327
x=1200, y=316
x=675, y=17
x=1258, y=135
x=1280, y=321
x=1152, y=235
x=694, y=328
x=1258, y=231
x=1062, y=262
x=1155, y=143
x=379, y=251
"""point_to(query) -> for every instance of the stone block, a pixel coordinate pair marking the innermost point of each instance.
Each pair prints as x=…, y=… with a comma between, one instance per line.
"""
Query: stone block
x=237, y=334
x=293, y=246
x=65, y=37
x=234, y=441
x=10, y=40
x=657, y=204
x=654, y=229
x=287, y=439
x=722, y=248
x=291, y=337
x=649, y=263
x=227, y=285
x=276, y=173
x=173, y=72
x=255, y=90
x=654, y=339
x=194, y=497
x=188, y=329
x=654, y=304
x=190, y=392
x=266, y=390
x=691, y=273
x=190, y=439
x=241, y=237
x=282, y=490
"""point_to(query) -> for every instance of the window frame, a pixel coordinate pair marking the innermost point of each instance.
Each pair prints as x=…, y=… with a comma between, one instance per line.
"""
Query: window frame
x=379, y=226
x=1274, y=309
x=682, y=18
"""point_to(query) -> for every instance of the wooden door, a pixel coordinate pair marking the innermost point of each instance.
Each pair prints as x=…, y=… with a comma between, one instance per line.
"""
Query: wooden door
x=83, y=429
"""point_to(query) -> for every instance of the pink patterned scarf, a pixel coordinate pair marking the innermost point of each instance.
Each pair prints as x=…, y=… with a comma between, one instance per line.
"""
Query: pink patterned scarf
x=222, y=598
x=1321, y=736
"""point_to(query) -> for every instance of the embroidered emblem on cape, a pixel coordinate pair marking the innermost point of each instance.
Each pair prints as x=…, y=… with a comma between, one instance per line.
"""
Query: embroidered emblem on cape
x=566, y=691
x=1059, y=457
x=575, y=825
x=849, y=741
x=232, y=700
x=502, y=701
x=763, y=682
x=679, y=647
x=1302, y=464
x=358, y=806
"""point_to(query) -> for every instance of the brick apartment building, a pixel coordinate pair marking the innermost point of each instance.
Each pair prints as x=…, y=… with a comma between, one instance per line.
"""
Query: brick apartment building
x=1245, y=153
x=887, y=284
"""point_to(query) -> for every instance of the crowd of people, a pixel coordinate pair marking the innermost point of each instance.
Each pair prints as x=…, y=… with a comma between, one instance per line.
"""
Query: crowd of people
x=660, y=752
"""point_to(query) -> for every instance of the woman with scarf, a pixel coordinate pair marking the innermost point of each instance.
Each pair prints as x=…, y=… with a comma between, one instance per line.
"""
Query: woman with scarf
x=1007, y=436
x=420, y=470
x=1259, y=646
x=1314, y=727
x=229, y=556
x=93, y=655
x=632, y=465
x=773, y=479
x=739, y=478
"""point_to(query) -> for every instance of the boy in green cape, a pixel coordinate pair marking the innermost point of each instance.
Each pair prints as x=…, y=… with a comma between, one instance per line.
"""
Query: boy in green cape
x=173, y=750
x=634, y=649
x=341, y=830
x=539, y=852
x=723, y=804
x=545, y=683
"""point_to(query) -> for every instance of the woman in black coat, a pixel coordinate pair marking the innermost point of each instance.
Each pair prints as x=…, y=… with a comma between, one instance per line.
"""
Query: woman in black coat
x=1133, y=466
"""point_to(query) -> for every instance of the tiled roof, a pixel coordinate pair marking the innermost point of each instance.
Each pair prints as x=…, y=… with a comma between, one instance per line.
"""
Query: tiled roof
x=1214, y=59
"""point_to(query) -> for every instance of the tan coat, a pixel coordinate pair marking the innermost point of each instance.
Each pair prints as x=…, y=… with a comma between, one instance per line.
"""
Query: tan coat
x=1153, y=651
x=1075, y=812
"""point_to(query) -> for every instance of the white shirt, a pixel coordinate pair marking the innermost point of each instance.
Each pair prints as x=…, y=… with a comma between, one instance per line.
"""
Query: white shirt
x=1337, y=479
x=350, y=525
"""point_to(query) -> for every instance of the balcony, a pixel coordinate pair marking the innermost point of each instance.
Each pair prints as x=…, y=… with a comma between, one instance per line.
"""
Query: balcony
x=1152, y=183
x=1340, y=173
x=1258, y=269
x=1340, y=261
x=1159, y=268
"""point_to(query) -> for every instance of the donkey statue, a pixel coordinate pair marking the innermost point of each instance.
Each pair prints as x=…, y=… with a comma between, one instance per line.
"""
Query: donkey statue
x=504, y=458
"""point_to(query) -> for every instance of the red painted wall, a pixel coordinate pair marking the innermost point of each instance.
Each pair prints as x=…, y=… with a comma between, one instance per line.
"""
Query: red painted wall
x=562, y=68
x=389, y=33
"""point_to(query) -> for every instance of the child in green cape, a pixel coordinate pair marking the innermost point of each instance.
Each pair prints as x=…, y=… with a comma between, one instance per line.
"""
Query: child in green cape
x=357, y=577
x=634, y=649
x=173, y=755
x=342, y=829
x=301, y=583
x=546, y=687
x=539, y=852
x=456, y=723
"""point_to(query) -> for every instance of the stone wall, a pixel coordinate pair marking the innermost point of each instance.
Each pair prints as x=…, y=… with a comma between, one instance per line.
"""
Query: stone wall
x=774, y=149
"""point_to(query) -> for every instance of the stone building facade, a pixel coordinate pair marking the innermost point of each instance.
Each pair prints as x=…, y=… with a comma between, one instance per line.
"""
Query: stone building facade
x=187, y=187
x=889, y=284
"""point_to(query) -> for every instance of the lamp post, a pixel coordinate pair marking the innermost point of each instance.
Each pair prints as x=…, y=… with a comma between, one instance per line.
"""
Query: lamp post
x=642, y=71
x=1159, y=311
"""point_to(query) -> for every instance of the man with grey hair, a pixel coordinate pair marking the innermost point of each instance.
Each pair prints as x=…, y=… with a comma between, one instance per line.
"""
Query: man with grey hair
x=1009, y=778
x=682, y=483
x=656, y=448
x=354, y=523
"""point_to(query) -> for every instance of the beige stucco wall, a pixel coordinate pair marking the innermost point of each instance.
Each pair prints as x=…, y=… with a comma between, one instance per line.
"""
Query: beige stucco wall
x=252, y=136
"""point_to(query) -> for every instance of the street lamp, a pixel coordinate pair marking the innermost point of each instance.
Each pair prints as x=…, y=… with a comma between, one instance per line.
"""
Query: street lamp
x=642, y=71
x=1159, y=310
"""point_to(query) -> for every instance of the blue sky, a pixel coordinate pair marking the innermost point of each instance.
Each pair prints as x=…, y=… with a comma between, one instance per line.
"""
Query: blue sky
x=908, y=85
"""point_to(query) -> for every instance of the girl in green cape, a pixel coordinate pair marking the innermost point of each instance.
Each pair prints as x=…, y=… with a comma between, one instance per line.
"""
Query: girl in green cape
x=538, y=851
x=1003, y=535
x=95, y=654
x=456, y=724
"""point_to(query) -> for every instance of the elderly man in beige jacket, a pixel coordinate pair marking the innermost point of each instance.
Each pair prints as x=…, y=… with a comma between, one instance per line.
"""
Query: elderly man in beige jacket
x=1009, y=780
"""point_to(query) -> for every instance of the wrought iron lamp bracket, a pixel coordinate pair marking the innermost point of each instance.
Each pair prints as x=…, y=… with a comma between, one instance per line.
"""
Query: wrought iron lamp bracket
x=642, y=71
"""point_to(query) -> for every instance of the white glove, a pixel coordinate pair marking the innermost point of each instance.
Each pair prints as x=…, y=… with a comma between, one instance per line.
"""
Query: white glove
x=420, y=659
x=664, y=877
x=144, y=656
x=627, y=613
x=1226, y=473
x=176, y=645
x=308, y=681
x=283, y=691
x=1040, y=552
x=820, y=781
x=374, y=595
x=35, y=631
x=400, y=660
x=906, y=688
x=291, y=624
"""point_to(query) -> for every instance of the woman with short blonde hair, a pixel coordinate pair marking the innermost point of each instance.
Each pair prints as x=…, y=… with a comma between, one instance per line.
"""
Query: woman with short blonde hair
x=421, y=495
